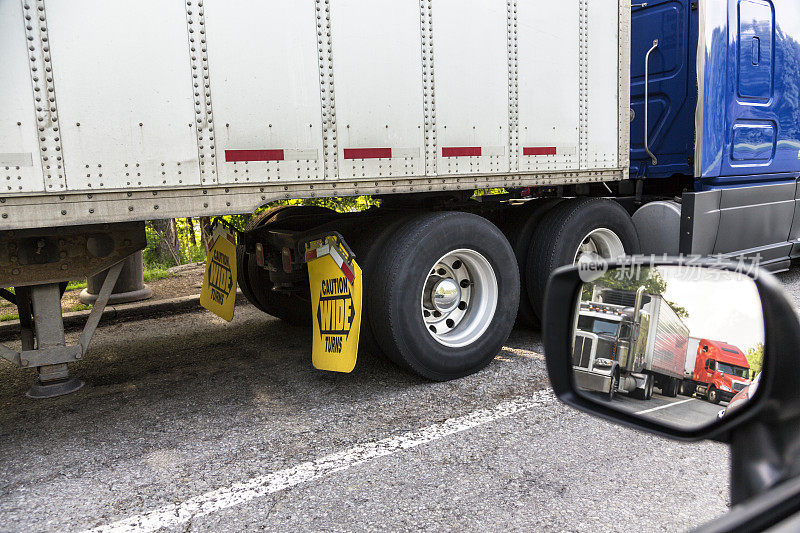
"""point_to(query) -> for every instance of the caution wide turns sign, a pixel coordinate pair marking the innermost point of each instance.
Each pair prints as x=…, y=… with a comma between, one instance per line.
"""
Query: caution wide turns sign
x=335, y=280
x=218, y=292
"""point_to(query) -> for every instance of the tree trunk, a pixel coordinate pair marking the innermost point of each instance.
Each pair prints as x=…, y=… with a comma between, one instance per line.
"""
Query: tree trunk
x=192, y=236
x=205, y=231
x=168, y=248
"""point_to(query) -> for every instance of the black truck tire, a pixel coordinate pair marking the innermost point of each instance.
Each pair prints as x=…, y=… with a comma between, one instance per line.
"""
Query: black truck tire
x=519, y=229
x=242, y=279
x=255, y=282
x=291, y=308
x=368, y=248
x=445, y=295
x=713, y=394
x=670, y=388
x=646, y=392
x=563, y=232
x=612, y=389
x=242, y=259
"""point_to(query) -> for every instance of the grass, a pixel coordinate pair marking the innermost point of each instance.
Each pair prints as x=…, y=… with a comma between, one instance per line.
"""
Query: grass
x=8, y=317
x=75, y=285
x=156, y=273
x=152, y=272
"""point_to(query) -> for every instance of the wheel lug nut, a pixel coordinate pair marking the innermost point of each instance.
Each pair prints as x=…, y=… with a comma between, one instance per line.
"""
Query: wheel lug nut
x=465, y=283
x=426, y=313
x=450, y=323
x=462, y=305
x=456, y=265
x=437, y=314
x=441, y=272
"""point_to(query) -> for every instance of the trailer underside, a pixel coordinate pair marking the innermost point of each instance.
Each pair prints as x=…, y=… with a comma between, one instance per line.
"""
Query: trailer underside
x=492, y=253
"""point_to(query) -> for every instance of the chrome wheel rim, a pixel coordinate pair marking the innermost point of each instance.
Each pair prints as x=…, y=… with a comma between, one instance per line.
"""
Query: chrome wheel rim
x=459, y=298
x=601, y=243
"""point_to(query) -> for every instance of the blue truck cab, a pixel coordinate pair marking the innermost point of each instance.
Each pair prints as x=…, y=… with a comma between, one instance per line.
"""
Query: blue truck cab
x=715, y=107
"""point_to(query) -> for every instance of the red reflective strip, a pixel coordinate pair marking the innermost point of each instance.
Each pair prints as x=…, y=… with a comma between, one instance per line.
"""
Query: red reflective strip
x=367, y=153
x=311, y=255
x=461, y=151
x=539, y=150
x=347, y=272
x=233, y=156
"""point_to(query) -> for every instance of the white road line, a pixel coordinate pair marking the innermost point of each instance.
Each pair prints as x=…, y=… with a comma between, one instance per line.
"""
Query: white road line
x=223, y=498
x=662, y=407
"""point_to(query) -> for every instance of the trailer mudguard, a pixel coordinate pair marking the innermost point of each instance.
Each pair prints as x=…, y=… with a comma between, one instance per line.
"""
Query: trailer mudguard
x=336, y=297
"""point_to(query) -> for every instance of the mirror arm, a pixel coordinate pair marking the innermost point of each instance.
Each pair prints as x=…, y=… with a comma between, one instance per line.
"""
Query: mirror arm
x=765, y=449
x=776, y=458
x=754, y=469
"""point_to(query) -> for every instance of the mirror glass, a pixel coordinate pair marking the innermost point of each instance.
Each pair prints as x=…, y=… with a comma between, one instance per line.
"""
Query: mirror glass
x=680, y=345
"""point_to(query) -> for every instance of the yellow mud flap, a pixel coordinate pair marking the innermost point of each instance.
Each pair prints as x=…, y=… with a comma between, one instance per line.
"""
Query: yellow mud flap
x=218, y=293
x=335, y=280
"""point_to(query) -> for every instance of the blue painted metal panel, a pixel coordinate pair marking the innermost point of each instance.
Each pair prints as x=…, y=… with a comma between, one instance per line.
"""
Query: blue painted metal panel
x=672, y=83
x=755, y=26
x=749, y=117
x=751, y=92
x=753, y=142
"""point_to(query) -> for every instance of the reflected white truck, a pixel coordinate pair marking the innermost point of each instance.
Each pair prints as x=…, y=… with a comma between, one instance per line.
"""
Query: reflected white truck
x=113, y=113
x=629, y=341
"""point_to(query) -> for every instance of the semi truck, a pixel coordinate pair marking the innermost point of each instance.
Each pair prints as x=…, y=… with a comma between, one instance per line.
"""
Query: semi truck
x=714, y=370
x=629, y=341
x=608, y=129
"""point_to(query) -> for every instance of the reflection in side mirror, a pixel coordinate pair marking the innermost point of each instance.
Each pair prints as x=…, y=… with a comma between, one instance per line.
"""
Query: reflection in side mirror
x=676, y=344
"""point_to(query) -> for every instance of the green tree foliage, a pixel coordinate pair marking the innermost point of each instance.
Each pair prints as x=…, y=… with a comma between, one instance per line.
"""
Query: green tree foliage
x=631, y=280
x=190, y=245
x=755, y=358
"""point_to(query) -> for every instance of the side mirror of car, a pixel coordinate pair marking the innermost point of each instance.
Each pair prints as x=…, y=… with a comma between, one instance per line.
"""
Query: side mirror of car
x=648, y=383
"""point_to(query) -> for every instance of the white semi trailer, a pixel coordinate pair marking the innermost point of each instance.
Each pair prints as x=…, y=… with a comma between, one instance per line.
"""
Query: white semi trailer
x=630, y=341
x=113, y=113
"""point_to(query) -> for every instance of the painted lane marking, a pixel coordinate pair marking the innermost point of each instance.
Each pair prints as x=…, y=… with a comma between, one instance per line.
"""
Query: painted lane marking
x=662, y=407
x=239, y=493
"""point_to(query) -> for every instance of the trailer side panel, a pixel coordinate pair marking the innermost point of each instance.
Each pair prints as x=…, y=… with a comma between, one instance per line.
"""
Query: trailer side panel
x=668, y=340
x=196, y=110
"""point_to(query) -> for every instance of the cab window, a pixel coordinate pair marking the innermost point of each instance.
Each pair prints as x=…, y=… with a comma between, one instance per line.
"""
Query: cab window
x=597, y=325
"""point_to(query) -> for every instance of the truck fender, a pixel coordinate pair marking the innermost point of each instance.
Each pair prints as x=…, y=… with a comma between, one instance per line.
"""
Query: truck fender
x=615, y=368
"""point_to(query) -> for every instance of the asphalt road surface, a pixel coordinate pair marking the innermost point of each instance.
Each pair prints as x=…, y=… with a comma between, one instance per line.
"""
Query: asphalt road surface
x=682, y=411
x=191, y=424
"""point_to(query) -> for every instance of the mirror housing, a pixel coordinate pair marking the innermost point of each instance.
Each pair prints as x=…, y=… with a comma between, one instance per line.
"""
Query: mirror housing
x=563, y=294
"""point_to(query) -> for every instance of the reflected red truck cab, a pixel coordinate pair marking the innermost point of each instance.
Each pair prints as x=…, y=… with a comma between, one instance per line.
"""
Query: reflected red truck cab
x=720, y=370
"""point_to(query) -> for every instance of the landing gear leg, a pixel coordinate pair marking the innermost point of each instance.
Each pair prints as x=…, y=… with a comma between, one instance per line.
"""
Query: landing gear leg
x=44, y=345
x=54, y=379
